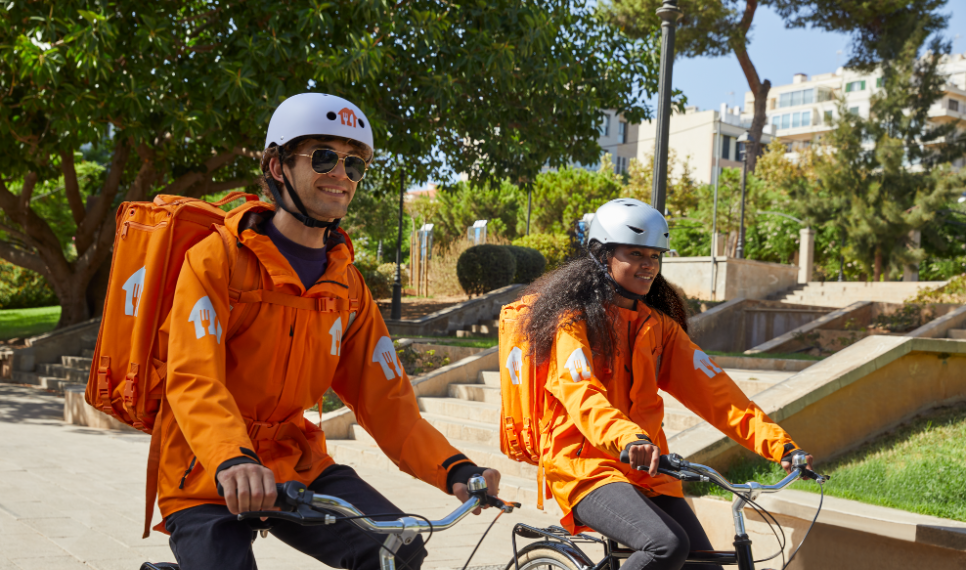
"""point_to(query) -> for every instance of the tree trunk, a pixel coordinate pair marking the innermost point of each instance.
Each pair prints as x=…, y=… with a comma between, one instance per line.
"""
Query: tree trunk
x=758, y=87
x=73, y=301
x=758, y=125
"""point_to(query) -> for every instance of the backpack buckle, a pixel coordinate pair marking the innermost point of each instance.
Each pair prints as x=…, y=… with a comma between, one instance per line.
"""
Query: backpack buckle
x=104, y=383
x=327, y=304
x=131, y=386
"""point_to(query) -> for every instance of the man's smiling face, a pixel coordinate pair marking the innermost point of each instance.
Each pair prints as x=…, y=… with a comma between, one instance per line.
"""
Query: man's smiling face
x=325, y=196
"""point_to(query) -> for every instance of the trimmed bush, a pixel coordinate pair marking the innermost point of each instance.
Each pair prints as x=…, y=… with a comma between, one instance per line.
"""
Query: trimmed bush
x=483, y=268
x=530, y=263
x=555, y=248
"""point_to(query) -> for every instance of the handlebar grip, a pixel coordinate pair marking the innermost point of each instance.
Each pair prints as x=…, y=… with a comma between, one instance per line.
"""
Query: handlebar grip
x=625, y=457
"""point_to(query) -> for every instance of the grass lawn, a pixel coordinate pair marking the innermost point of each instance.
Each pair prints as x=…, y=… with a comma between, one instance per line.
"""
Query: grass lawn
x=24, y=323
x=917, y=468
x=470, y=342
x=778, y=355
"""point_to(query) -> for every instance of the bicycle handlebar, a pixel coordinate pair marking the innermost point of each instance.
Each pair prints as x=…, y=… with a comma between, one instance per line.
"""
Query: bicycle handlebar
x=677, y=467
x=299, y=505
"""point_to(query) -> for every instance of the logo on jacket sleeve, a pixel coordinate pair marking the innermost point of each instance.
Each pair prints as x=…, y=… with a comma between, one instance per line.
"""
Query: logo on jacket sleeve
x=133, y=288
x=579, y=366
x=385, y=355
x=514, y=363
x=336, y=333
x=703, y=363
x=204, y=312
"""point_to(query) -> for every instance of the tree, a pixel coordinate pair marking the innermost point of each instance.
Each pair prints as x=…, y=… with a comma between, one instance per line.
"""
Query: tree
x=458, y=206
x=179, y=96
x=562, y=197
x=718, y=27
x=682, y=190
x=886, y=176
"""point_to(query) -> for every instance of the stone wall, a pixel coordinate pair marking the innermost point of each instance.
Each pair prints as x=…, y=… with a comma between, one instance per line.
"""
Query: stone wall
x=734, y=277
x=456, y=317
x=740, y=324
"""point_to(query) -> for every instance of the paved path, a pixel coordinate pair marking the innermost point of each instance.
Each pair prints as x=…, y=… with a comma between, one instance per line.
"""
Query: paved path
x=72, y=498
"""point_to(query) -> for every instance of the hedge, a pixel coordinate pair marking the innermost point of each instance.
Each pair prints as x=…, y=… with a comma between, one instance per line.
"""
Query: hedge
x=483, y=268
x=530, y=263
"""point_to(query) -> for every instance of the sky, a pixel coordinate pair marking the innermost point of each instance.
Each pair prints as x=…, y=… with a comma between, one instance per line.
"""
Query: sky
x=777, y=54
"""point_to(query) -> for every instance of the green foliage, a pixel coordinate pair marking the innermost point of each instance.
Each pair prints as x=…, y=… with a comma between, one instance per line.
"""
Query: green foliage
x=23, y=289
x=530, y=263
x=555, y=248
x=486, y=267
x=458, y=206
x=952, y=292
x=916, y=468
x=562, y=197
x=379, y=278
x=416, y=362
x=25, y=323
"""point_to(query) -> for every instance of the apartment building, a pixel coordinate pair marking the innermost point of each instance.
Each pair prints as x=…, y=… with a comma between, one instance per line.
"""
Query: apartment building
x=804, y=109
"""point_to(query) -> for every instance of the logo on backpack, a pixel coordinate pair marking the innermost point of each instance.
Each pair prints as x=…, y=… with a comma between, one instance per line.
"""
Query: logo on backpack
x=385, y=355
x=578, y=366
x=514, y=363
x=704, y=364
x=336, y=333
x=133, y=288
x=204, y=312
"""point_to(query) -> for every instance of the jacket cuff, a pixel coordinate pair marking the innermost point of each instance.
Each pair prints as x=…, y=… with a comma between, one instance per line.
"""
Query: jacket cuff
x=635, y=439
x=449, y=465
x=461, y=474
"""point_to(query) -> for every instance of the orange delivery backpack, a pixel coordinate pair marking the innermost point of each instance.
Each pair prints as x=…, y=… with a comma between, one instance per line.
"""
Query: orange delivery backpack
x=522, y=393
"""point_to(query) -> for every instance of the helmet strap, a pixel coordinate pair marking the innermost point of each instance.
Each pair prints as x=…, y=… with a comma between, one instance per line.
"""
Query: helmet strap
x=302, y=214
x=617, y=286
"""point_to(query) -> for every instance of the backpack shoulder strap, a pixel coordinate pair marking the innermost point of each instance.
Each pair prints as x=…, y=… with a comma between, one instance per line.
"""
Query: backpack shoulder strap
x=244, y=276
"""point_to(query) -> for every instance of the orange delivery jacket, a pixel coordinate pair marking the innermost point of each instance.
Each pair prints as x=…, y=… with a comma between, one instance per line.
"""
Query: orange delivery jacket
x=242, y=399
x=597, y=408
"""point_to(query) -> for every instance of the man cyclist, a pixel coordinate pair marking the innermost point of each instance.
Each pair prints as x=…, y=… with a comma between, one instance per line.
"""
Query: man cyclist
x=237, y=400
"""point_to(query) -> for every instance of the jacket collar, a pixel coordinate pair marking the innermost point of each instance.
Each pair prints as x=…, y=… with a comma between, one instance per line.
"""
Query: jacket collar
x=245, y=222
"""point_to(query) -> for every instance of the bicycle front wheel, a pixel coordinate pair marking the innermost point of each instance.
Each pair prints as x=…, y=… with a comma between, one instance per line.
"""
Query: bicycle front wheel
x=544, y=559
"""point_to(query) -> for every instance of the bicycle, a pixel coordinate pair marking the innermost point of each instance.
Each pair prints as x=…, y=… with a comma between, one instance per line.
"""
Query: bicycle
x=304, y=507
x=560, y=550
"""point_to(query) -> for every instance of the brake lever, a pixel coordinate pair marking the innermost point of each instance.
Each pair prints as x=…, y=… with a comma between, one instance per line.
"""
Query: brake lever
x=303, y=515
x=806, y=473
x=505, y=506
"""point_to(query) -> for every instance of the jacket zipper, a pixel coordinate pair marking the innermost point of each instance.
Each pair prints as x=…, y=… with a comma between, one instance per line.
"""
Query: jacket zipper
x=142, y=227
x=185, y=476
x=581, y=449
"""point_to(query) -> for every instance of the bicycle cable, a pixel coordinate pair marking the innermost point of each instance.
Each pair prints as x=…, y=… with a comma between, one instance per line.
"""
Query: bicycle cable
x=762, y=511
x=498, y=515
x=821, y=490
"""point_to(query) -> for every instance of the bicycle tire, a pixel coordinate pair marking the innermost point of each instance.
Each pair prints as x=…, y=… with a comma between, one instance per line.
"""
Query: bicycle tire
x=543, y=558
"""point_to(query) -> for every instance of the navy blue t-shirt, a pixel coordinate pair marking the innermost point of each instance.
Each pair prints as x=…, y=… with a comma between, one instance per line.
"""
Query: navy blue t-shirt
x=308, y=262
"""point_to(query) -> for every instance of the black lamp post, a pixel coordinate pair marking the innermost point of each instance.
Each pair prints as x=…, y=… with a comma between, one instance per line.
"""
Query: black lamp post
x=396, y=311
x=740, y=251
x=669, y=14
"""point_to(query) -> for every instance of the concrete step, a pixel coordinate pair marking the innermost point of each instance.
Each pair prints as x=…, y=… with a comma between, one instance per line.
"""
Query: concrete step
x=959, y=334
x=461, y=409
x=77, y=362
x=87, y=353
x=472, y=334
x=485, y=329
x=466, y=430
x=475, y=393
x=44, y=382
x=490, y=378
x=60, y=371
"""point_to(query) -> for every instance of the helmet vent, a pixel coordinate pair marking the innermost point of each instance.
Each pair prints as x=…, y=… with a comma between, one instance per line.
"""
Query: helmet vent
x=631, y=205
x=362, y=124
x=637, y=231
x=330, y=116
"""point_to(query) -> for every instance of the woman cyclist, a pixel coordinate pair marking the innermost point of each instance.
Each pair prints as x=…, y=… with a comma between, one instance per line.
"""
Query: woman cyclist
x=612, y=332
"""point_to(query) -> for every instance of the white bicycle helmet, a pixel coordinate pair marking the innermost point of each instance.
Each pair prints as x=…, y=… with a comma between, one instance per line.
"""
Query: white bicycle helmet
x=313, y=114
x=630, y=222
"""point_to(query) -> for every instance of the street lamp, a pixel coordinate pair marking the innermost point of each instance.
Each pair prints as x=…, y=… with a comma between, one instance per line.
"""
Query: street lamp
x=962, y=198
x=743, y=139
x=669, y=13
x=396, y=310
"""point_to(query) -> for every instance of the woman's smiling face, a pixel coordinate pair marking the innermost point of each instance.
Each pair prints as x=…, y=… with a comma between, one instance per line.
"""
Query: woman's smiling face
x=634, y=267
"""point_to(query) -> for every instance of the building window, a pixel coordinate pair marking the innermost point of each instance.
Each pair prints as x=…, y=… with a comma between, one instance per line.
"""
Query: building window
x=854, y=111
x=726, y=147
x=806, y=118
x=828, y=117
x=796, y=120
x=786, y=121
x=622, y=132
x=878, y=82
x=605, y=126
x=803, y=97
x=855, y=86
x=953, y=105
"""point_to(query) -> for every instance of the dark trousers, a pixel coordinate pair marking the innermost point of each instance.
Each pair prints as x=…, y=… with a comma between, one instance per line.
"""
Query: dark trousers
x=208, y=536
x=661, y=529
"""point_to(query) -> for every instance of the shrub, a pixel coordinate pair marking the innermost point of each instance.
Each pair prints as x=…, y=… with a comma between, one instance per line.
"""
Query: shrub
x=24, y=289
x=555, y=248
x=381, y=278
x=483, y=268
x=530, y=263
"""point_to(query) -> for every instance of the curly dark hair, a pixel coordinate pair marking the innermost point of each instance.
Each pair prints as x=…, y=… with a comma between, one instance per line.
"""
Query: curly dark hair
x=580, y=291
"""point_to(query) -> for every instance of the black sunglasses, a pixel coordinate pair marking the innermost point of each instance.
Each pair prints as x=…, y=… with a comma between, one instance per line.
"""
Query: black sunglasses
x=324, y=160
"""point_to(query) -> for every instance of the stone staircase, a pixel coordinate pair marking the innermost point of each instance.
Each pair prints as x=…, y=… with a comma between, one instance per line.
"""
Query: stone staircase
x=72, y=371
x=841, y=294
x=470, y=415
x=486, y=328
x=958, y=334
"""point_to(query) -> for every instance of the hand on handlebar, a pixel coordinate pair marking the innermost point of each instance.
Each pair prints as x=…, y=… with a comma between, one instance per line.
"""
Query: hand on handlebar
x=492, y=478
x=248, y=487
x=787, y=464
